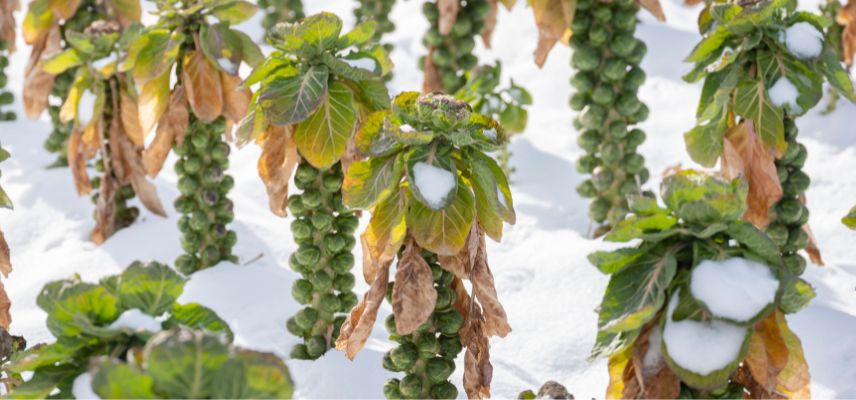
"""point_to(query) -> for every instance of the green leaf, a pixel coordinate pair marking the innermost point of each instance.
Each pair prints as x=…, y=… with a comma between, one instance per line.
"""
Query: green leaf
x=710, y=43
x=63, y=61
x=608, y=343
x=235, y=12
x=321, y=31
x=443, y=232
x=796, y=296
x=830, y=66
x=757, y=241
x=372, y=94
x=253, y=375
x=637, y=293
x=5, y=201
x=490, y=186
x=290, y=100
x=361, y=34
x=153, y=53
x=56, y=353
x=697, y=197
x=850, y=219
x=753, y=102
x=130, y=9
x=775, y=66
x=688, y=307
x=222, y=46
x=79, y=42
x=323, y=138
x=152, y=287
x=113, y=379
x=197, y=316
x=428, y=162
x=47, y=379
x=610, y=262
x=341, y=68
x=183, y=363
x=64, y=300
x=514, y=118
x=644, y=205
x=634, y=226
x=375, y=137
x=704, y=142
x=370, y=181
x=270, y=69
x=252, y=53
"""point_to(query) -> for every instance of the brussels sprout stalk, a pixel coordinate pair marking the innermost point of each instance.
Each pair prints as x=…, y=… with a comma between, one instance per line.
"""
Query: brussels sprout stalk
x=277, y=11
x=607, y=58
x=6, y=97
x=377, y=10
x=452, y=53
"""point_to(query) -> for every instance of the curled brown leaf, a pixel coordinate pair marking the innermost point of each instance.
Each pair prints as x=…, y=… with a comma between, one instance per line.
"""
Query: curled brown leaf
x=496, y=321
x=277, y=162
x=171, y=125
x=236, y=99
x=767, y=354
x=654, y=7
x=201, y=80
x=7, y=22
x=105, y=210
x=127, y=162
x=5, y=257
x=478, y=371
x=5, y=305
x=812, y=249
x=646, y=377
x=448, y=14
x=359, y=323
x=490, y=23
x=77, y=163
x=38, y=83
x=413, y=296
x=130, y=116
x=744, y=154
x=431, y=78
x=846, y=17
x=553, y=17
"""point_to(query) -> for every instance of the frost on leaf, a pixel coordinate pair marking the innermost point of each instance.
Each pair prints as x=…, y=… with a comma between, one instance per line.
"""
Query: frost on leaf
x=736, y=289
x=705, y=348
x=435, y=184
x=804, y=40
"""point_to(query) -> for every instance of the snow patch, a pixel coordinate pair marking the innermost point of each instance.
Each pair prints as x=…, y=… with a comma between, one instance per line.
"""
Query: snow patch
x=701, y=347
x=490, y=133
x=86, y=107
x=653, y=356
x=804, y=40
x=367, y=63
x=228, y=65
x=82, y=387
x=434, y=184
x=103, y=62
x=735, y=288
x=136, y=320
x=406, y=128
x=784, y=93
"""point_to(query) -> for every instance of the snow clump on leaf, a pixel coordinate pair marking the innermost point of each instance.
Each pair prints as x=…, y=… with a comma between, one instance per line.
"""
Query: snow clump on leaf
x=737, y=289
x=434, y=184
x=784, y=93
x=804, y=40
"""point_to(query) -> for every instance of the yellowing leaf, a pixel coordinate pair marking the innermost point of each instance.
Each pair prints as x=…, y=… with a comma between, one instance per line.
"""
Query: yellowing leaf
x=129, y=112
x=553, y=17
x=172, y=125
x=443, y=232
x=794, y=380
x=384, y=234
x=153, y=100
x=323, y=138
x=236, y=99
x=202, y=82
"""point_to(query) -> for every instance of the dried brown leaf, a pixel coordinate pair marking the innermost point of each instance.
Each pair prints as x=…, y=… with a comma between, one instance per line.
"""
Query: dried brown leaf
x=478, y=371
x=693, y=2
x=77, y=163
x=496, y=321
x=448, y=14
x=277, y=162
x=127, y=166
x=5, y=305
x=847, y=18
x=37, y=83
x=202, y=82
x=553, y=17
x=7, y=23
x=652, y=379
x=64, y=10
x=5, y=257
x=490, y=23
x=767, y=354
x=359, y=323
x=431, y=78
x=236, y=99
x=812, y=249
x=131, y=119
x=744, y=154
x=413, y=296
x=171, y=125
x=462, y=263
x=794, y=381
x=654, y=7
x=105, y=210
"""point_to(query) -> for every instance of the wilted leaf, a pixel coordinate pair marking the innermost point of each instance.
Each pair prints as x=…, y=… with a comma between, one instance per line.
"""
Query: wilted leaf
x=794, y=380
x=5, y=257
x=654, y=7
x=236, y=99
x=5, y=303
x=7, y=22
x=647, y=376
x=276, y=164
x=37, y=83
x=153, y=101
x=767, y=353
x=496, y=322
x=448, y=15
x=105, y=210
x=744, y=155
x=77, y=163
x=172, y=125
x=478, y=371
x=127, y=165
x=431, y=78
x=359, y=323
x=202, y=82
x=129, y=112
x=413, y=296
x=384, y=235
x=489, y=23
x=847, y=18
x=553, y=17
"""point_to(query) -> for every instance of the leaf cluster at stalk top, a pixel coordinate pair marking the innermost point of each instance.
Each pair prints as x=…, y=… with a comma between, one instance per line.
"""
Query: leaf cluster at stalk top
x=320, y=82
x=129, y=332
x=756, y=65
x=428, y=172
x=701, y=224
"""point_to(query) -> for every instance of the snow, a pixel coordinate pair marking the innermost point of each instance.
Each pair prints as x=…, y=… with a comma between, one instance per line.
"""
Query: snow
x=367, y=63
x=406, y=128
x=701, y=347
x=227, y=65
x=490, y=133
x=736, y=288
x=783, y=92
x=136, y=320
x=81, y=388
x=654, y=356
x=103, y=62
x=547, y=286
x=85, y=107
x=434, y=184
x=804, y=40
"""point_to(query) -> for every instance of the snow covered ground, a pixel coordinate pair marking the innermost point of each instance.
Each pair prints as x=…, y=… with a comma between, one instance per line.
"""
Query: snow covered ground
x=549, y=289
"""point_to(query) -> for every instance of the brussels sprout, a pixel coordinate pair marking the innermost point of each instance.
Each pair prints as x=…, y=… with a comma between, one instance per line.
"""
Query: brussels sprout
x=450, y=346
x=334, y=243
x=449, y=322
x=635, y=138
x=308, y=255
x=439, y=369
x=586, y=189
x=622, y=45
x=444, y=390
x=790, y=153
x=610, y=153
x=594, y=116
x=602, y=178
x=597, y=35
x=625, y=21
x=796, y=183
x=614, y=70
x=316, y=346
x=617, y=130
x=586, y=164
x=391, y=387
x=389, y=323
x=797, y=239
x=789, y=210
x=428, y=345
x=306, y=318
x=342, y=262
x=638, y=53
x=589, y=140
x=187, y=185
x=293, y=327
x=602, y=13
x=344, y=282
x=603, y=95
x=799, y=159
x=446, y=279
x=782, y=172
x=348, y=301
x=635, y=78
x=346, y=224
x=320, y=279
x=579, y=25
x=329, y=303
x=411, y=387
x=586, y=58
x=445, y=298
x=322, y=221
x=578, y=101
x=627, y=105
x=598, y=209
x=300, y=352
x=302, y=291
x=794, y=264
x=405, y=356
x=583, y=82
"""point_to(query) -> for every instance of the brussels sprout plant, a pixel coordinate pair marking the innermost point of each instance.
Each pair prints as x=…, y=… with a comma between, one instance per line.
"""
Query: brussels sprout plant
x=450, y=41
x=313, y=92
x=45, y=26
x=763, y=65
x=693, y=309
x=378, y=11
x=193, y=40
x=277, y=11
x=607, y=57
x=433, y=193
x=102, y=109
x=7, y=47
x=127, y=337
